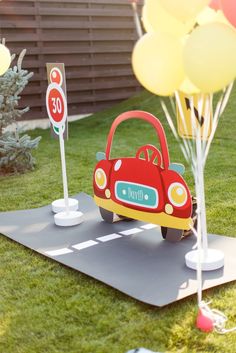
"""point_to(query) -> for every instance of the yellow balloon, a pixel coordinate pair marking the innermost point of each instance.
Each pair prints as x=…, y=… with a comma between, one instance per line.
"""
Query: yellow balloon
x=210, y=57
x=156, y=18
x=188, y=87
x=209, y=15
x=5, y=59
x=158, y=63
x=184, y=9
x=206, y=16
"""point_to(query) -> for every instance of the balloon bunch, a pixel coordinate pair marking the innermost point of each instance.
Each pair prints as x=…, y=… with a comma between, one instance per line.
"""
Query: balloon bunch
x=188, y=54
x=177, y=53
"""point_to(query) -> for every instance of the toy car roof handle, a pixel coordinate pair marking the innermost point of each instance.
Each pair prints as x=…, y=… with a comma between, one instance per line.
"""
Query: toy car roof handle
x=139, y=114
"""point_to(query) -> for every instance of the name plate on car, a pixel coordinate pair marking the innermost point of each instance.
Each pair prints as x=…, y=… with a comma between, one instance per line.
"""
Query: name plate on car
x=136, y=194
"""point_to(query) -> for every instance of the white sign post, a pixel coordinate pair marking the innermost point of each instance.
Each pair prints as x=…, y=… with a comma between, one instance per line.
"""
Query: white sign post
x=57, y=112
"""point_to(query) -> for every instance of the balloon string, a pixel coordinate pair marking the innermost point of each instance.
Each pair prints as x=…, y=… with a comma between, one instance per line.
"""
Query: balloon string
x=220, y=107
x=137, y=19
x=207, y=119
x=201, y=182
x=187, y=142
x=184, y=148
x=199, y=216
x=172, y=104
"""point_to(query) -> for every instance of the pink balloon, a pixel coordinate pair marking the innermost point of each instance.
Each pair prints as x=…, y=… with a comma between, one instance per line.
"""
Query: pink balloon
x=229, y=9
x=215, y=4
x=204, y=322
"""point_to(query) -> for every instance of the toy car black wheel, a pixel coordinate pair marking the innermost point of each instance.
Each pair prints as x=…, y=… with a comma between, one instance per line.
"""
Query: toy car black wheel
x=107, y=216
x=194, y=212
x=175, y=235
x=189, y=232
x=171, y=234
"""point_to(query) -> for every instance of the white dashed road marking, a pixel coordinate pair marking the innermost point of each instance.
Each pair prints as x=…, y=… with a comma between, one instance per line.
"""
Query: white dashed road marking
x=149, y=226
x=84, y=245
x=131, y=231
x=109, y=237
x=58, y=252
x=103, y=239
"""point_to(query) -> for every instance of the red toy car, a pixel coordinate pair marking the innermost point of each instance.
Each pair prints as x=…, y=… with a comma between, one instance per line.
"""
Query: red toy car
x=146, y=187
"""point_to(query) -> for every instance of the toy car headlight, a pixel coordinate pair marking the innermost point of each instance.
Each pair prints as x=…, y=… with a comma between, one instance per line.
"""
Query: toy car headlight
x=177, y=194
x=100, y=178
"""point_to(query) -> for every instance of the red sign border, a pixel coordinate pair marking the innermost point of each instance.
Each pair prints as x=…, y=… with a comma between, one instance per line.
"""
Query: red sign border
x=58, y=88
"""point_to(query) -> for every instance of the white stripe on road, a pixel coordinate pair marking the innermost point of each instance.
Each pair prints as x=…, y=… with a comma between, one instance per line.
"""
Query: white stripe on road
x=149, y=226
x=131, y=231
x=103, y=239
x=109, y=237
x=84, y=245
x=58, y=252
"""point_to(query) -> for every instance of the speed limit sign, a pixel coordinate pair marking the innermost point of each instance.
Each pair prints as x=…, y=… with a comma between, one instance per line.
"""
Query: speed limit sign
x=56, y=105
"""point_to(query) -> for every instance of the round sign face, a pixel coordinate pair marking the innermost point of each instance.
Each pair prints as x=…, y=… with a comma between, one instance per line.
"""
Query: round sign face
x=56, y=105
x=56, y=76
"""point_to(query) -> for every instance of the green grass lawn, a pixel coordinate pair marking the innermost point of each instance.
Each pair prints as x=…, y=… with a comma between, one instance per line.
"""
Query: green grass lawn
x=48, y=308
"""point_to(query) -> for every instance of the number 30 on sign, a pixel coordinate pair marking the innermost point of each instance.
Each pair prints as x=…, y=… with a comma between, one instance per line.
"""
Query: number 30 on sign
x=56, y=105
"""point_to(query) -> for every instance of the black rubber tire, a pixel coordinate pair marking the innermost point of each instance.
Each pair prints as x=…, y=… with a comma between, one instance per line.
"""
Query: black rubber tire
x=107, y=216
x=194, y=213
x=175, y=235
x=171, y=234
x=163, y=232
x=189, y=232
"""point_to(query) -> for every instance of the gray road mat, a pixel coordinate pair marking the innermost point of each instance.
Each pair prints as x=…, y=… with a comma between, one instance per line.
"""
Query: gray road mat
x=129, y=256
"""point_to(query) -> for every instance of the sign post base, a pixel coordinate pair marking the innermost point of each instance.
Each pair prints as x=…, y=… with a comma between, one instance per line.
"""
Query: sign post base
x=212, y=261
x=68, y=219
x=60, y=206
